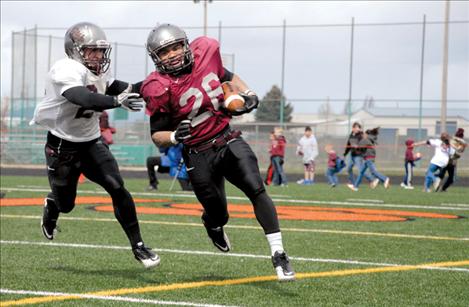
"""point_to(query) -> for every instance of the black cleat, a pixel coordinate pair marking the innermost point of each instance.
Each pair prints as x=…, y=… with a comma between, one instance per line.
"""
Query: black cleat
x=50, y=214
x=146, y=256
x=282, y=266
x=219, y=238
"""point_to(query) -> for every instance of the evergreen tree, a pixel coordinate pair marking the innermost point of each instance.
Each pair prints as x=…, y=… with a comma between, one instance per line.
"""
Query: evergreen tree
x=269, y=107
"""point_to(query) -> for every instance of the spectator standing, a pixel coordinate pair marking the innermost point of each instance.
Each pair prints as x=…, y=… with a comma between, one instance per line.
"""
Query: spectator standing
x=409, y=164
x=277, y=151
x=308, y=149
x=332, y=168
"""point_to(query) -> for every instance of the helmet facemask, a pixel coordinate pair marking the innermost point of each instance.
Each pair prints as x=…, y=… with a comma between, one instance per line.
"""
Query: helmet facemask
x=174, y=64
x=96, y=66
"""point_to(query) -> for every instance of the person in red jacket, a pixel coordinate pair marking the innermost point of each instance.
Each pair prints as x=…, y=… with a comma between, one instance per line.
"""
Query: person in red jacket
x=277, y=153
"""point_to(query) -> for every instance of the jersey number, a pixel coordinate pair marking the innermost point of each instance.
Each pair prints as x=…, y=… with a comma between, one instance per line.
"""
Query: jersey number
x=197, y=93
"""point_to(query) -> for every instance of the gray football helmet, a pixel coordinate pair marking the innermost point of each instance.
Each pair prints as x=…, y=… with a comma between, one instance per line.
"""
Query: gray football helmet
x=87, y=35
x=163, y=36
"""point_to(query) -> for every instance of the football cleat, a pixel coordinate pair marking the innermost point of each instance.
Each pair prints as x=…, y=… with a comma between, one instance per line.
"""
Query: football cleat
x=282, y=266
x=219, y=238
x=374, y=183
x=146, y=256
x=50, y=214
x=409, y=187
x=352, y=187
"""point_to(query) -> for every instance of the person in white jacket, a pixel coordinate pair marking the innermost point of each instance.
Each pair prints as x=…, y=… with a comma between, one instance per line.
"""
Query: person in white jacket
x=308, y=149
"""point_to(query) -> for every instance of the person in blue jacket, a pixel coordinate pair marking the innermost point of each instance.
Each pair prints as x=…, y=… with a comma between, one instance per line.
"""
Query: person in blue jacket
x=170, y=161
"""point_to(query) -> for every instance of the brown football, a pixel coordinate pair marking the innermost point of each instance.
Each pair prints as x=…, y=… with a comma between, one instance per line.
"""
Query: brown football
x=233, y=101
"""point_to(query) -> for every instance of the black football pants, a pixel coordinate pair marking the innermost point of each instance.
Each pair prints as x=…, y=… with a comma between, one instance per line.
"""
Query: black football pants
x=66, y=160
x=237, y=163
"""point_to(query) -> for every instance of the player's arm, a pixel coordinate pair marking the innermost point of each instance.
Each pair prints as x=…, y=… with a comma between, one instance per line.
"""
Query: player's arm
x=161, y=133
x=250, y=98
x=89, y=100
x=117, y=87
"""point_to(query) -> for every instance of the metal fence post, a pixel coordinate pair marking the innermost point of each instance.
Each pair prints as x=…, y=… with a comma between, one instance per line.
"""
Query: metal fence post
x=282, y=102
x=349, y=109
x=419, y=132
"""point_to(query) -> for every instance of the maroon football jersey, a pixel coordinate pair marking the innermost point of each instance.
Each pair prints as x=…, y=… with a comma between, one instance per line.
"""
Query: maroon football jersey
x=196, y=96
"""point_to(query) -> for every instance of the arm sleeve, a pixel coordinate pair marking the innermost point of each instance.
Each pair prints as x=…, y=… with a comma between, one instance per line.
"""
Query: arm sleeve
x=227, y=76
x=160, y=122
x=118, y=87
x=347, y=147
x=83, y=97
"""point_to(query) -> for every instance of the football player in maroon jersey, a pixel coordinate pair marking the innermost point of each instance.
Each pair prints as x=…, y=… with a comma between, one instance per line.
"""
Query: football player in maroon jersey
x=185, y=103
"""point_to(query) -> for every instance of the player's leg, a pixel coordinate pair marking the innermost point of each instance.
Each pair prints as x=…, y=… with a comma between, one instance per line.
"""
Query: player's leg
x=209, y=188
x=153, y=180
x=378, y=175
x=99, y=165
x=62, y=172
x=361, y=173
x=241, y=169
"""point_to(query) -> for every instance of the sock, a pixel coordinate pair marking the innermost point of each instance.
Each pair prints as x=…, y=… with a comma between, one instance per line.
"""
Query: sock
x=275, y=242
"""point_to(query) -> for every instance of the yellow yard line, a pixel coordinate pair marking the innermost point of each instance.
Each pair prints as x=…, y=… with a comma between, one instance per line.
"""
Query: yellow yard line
x=330, y=231
x=239, y=281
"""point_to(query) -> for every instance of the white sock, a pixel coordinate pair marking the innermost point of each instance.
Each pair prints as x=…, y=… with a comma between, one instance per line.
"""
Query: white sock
x=275, y=242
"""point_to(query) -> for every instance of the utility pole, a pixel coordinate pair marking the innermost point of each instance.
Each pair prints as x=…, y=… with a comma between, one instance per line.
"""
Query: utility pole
x=205, y=13
x=444, y=83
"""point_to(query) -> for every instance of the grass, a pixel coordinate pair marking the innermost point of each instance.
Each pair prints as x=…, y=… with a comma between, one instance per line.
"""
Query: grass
x=57, y=268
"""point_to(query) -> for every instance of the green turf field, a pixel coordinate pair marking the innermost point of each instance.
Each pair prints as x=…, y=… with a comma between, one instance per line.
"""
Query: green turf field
x=423, y=259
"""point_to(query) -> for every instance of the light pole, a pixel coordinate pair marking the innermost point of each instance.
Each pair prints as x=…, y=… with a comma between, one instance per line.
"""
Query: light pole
x=205, y=14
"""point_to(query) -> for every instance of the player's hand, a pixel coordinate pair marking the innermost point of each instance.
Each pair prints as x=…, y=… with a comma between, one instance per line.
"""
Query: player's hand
x=251, y=102
x=130, y=101
x=183, y=131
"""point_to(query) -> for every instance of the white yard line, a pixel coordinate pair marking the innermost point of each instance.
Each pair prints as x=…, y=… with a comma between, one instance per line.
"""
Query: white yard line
x=109, y=298
x=294, y=201
x=378, y=201
x=313, y=230
x=206, y=253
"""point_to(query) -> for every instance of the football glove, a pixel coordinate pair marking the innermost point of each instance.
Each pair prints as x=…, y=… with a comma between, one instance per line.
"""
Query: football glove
x=129, y=101
x=182, y=132
x=251, y=102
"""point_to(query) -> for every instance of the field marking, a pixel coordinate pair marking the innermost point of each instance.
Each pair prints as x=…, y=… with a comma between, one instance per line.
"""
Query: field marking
x=313, y=230
x=457, y=205
x=366, y=200
x=238, y=281
x=206, y=253
x=107, y=298
x=296, y=201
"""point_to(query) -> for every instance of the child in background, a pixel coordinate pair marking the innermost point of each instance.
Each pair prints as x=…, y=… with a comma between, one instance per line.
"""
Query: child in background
x=332, y=168
x=308, y=148
x=368, y=144
x=410, y=158
x=277, y=152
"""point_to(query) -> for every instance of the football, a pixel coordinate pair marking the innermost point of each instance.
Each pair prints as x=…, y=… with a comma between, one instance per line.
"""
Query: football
x=417, y=156
x=233, y=101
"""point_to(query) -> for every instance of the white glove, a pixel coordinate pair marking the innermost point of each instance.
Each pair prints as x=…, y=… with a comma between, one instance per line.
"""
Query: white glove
x=129, y=101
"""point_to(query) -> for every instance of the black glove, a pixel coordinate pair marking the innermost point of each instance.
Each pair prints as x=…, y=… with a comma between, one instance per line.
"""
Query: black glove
x=251, y=102
x=182, y=132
